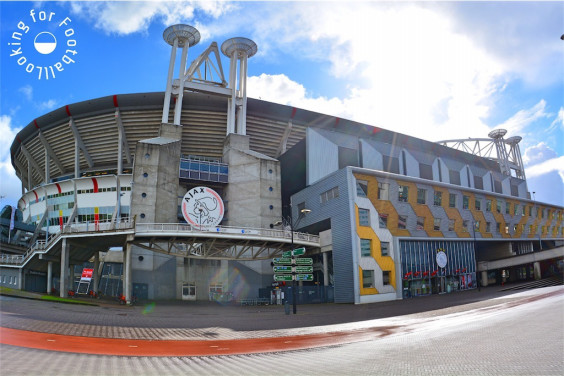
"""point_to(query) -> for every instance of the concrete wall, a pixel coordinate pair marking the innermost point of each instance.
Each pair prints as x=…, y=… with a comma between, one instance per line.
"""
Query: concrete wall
x=253, y=195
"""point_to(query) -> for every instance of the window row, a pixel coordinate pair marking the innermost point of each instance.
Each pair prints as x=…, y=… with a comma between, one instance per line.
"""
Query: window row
x=368, y=278
x=364, y=220
x=403, y=194
x=366, y=248
x=329, y=195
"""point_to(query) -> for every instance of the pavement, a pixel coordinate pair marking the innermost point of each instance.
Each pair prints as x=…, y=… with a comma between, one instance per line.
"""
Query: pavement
x=174, y=328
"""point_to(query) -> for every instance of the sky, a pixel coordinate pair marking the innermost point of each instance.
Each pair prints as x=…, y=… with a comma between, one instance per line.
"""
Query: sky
x=433, y=70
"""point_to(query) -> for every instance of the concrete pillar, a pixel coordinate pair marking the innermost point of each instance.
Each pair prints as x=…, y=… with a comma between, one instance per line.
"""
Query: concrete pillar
x=127, y=285
x=49, y=276
x=95, y=272
x=484, y=279
x=71, y=277
x=21, y=280
x=325, y=270
x=63, y=283
x=537, y=270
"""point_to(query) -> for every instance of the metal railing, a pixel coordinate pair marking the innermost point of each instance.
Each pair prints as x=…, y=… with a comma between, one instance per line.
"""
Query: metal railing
x=141, y=228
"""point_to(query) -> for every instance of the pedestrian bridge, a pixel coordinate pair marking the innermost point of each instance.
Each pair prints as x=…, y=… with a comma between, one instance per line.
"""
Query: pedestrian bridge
x=219, y=242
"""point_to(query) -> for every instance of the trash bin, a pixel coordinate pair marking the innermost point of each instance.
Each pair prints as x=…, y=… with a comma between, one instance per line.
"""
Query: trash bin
x=287, y=307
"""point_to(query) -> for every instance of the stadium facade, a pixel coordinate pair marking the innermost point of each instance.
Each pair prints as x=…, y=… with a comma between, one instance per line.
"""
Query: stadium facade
x=190, y=185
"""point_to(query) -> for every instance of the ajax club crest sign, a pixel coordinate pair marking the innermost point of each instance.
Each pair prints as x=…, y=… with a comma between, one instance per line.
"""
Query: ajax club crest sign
x=202, y=208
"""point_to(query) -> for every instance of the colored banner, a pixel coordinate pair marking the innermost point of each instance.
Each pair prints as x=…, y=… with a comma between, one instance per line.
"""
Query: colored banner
x=61, y=219
x=86, y=274
x=96, y=218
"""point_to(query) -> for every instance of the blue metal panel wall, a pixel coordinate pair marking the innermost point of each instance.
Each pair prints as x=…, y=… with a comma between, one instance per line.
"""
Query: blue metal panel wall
x=338, y=210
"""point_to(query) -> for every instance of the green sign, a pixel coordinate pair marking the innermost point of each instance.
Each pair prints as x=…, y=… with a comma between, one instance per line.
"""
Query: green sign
x=286, y=254
x=304, y=269
x=282, y=261
x=304, y=277
x=304, y=261
x=282, y=277
x=298, y=252
x=282, y=269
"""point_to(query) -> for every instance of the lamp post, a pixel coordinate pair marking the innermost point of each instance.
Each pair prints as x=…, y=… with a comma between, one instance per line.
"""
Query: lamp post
x=290, y=220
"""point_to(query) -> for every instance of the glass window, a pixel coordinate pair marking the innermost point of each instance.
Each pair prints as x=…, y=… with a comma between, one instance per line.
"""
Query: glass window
x=421, y=193
x=498, y=206
x=420, y=223
x=465, y=201
x=386, y=277
x=437, y=224
x=438, y=198
x=383, y=220
x=402, y=221
x=361, y=188
x=365, y=247
x=385, y=248
x=488, y=227
x=329, y=195
x=478, y=204
x=515, y=209
x=451, y=224
x=465, y=225
x=403, y=193
x=488, y=205
x=364, y=217
x=452, y=200
x=507, y=207
x=498, y=226
x=383, y=189
x=367, y=279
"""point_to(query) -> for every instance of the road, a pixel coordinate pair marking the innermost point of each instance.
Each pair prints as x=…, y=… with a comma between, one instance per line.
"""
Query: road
x=512, y=337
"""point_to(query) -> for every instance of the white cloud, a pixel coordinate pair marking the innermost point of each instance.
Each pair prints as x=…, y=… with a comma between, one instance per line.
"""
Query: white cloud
x=10, y=185
x=524, y=118
x=551, y=165
x=558, y=121
x=47, y=105
x=27, y=91
x=126, y=17
x=538, y=153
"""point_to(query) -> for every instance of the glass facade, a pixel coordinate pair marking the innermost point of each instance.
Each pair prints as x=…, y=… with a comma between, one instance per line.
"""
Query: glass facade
x=421, y=275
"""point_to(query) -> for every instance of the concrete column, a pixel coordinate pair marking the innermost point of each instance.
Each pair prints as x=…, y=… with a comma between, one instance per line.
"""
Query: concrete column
x=71, y=276
x=484, y=278
x=47, y=172
x=76, y=160
x=49, y=276
x=166, y=105
x=63, y=283
x=325, y=270
x=537, y=270
x=95, y=272
x=21, y=280
x=127, y=285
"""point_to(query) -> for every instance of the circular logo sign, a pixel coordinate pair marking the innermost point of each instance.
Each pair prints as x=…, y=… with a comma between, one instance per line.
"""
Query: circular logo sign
x=202, y=208
x=44, y=54
x=442, y=258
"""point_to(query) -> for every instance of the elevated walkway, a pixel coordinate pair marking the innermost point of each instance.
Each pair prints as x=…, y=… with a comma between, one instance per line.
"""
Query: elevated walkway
x=221, y=242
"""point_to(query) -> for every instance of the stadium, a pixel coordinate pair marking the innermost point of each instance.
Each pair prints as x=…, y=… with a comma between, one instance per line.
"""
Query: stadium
x=196, y=193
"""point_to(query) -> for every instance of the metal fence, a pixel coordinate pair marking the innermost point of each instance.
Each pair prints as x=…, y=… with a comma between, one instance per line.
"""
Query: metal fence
x=304, y=294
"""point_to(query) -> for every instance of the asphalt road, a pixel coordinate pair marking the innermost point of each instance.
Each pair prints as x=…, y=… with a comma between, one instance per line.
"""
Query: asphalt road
x=519, y=334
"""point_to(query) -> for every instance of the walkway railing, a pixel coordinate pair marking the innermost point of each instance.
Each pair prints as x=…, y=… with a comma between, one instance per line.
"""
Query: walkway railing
x=167, y=228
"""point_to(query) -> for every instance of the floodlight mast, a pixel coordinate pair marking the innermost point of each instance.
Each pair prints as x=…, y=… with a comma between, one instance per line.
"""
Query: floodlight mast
x=183, y=36
x=238, y=50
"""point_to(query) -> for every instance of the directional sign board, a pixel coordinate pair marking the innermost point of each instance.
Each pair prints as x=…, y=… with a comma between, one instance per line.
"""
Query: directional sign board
x=282, y=261
x=304, y=277
x=298, y=252
x=304, y=269
x=282, y=269
x=287, y=254
x=304, y=261
x=283, y=277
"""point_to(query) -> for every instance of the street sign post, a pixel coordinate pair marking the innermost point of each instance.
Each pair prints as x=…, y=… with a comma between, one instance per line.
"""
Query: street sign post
x=298, y=252
x=282, y=269
x=304, y=277
x=282, y=261
x=283, y=277
x=304, y=261
x=303, y=269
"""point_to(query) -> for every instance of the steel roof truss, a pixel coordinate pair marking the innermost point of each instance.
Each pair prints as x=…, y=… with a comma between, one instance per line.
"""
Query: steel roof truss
x=80, y=143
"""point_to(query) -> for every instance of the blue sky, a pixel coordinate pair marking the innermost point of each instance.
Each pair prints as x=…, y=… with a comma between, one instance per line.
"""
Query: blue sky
x=434, y=70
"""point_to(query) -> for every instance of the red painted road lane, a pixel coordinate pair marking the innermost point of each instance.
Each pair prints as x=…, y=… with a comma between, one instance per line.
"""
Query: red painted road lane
x=140, y=347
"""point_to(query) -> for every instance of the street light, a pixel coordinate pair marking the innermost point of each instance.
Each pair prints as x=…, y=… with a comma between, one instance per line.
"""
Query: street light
x=290, y=220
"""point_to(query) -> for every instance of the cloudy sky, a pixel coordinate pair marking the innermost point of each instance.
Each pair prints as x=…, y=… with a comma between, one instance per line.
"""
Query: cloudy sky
x=434, y=70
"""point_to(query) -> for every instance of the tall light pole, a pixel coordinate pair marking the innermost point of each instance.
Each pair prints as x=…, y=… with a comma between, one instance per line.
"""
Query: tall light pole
x=302, y=213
